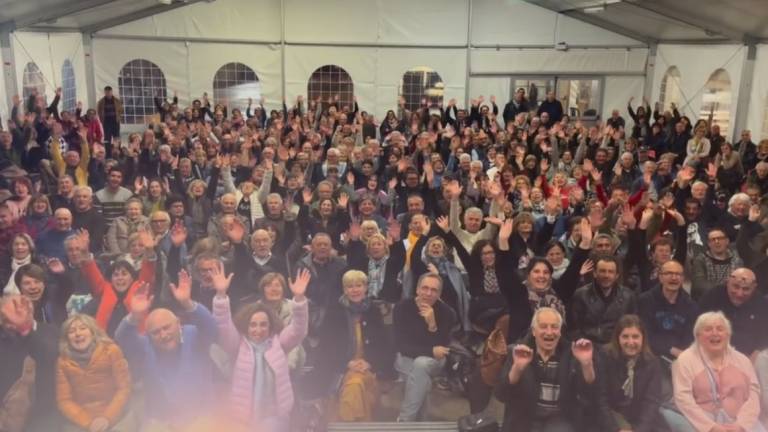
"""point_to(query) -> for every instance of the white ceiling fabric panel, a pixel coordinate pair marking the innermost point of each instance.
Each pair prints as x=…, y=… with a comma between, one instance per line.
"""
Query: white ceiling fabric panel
x=222, y=19
x=538, y=61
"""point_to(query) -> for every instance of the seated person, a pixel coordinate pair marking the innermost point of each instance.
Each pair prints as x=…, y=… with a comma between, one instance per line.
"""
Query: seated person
x=173, y=358
x=261, y=395
x=123, y=226
x=597, y=306
x=633, y=379
x=349, y=366
x=715, y=386
x=422, y=334
x=744, y=307
x=31, y=280
x=668, y=312
x=538, y=388
x=93, y=383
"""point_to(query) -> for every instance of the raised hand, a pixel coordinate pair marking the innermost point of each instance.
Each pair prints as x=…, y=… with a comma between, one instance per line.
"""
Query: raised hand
x=18, y=315
x=306, y=193
x=299, y=285
x=586, y=234
x=219, y=280
x=393, y=232
x=711, y=170
x=56, y=266
x=178, y=234
x=235, y=231
x=628, y=216
x=754, y=213
x=522, y=355
x=146, y=240
x=343, y=200
x=432, y=269
x=138, y=184
x=587, y=267
x=506, y=229
x=354, y=230
x=443, y=223
x=183, y=291
x=392, y=183
x=141, y=302
x=582, y=351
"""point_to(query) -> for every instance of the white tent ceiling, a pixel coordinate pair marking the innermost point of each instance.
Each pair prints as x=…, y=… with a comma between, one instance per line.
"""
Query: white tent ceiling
x=648, y=21
x=672, y=21
x=79, y=15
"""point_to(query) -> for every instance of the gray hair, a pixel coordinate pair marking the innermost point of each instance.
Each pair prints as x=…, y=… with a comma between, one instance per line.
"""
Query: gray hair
x=473, y=210
x=709, y=317
x=88, y=189
x=741, y=196
x=541, y=310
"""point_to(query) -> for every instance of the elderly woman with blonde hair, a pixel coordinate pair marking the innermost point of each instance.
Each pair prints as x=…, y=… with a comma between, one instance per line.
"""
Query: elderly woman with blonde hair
x=354, y=352
x=93, y=383
x=715, y=386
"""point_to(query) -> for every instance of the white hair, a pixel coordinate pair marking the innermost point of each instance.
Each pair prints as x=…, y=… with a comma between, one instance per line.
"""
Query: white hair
x=88, y=189
x=708, y=318
x=541, y=310
x=739, y=197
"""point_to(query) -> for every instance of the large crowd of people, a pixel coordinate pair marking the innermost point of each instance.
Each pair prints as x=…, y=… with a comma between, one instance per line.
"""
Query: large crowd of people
x=246, y=269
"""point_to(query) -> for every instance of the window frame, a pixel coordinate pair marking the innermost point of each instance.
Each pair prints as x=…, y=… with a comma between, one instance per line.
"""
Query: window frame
x=133, y=113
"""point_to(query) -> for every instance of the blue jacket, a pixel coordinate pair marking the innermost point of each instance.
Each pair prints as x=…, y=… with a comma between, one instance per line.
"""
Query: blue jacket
x=179, y=385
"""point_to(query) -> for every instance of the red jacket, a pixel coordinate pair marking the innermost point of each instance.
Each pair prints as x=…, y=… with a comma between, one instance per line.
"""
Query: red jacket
x=100, y=287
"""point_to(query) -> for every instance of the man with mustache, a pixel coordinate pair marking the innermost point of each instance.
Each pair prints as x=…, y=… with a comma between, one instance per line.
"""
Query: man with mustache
x=547, y=385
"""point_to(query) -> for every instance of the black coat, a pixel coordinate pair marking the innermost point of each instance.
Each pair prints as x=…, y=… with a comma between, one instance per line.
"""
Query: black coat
x=392, y=289
x=594, y=317
x=520, y=312
x=668, y=324
x=642, y=411
x=576, y=396
x=412, y=337
x=336, y=347
x=749, y=320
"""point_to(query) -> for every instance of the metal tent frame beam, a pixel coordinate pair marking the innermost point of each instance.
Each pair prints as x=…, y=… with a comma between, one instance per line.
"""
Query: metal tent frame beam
x=52, y=14
x=685, y=18
x=595, y=21
x=136, y=15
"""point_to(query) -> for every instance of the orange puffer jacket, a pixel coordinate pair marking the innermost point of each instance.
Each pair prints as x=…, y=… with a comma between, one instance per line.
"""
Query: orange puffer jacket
x=100, y=389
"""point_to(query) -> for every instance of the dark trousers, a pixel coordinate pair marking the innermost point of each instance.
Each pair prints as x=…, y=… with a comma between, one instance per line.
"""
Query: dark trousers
x=111, y=130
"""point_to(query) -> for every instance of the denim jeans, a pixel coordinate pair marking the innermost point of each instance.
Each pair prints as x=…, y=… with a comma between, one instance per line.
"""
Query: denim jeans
x=418, y=374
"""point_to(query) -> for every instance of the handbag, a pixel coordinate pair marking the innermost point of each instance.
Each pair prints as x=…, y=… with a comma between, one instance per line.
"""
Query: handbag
x=478, y=423
x=494, y=352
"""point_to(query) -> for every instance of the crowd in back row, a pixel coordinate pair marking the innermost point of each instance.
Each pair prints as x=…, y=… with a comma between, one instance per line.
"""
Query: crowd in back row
x=401, y=242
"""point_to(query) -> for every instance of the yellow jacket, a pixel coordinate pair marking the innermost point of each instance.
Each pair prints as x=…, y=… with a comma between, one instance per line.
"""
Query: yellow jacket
x=81, y=172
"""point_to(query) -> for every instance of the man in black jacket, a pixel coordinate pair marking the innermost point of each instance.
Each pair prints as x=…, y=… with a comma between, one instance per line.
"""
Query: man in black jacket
x=668, y=312
x=422, y=335
x=740, y=301
x=516, y=106
x=85, y=216
x=596, y=307
x=547, y=385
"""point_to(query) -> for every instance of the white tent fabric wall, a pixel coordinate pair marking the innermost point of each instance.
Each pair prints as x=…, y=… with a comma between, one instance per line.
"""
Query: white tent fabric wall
x=48, y=51
x=758, y=102
x=618, y=90
x=696, y=65
x=5, y=110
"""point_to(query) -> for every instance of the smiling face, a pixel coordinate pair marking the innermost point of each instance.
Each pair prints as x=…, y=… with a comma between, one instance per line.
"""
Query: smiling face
x=273, y=291
x=631, y=342
x=539, y=278
x=164, y=330
x=428, y=291
x=741, y=286
x=435, y=248
x=356, y=291
x=546, y=331
x=258, y=327
x=20, y=248
x=79, y=336
x=713, y=336
x=555, y=256
x=121, y=279
x=32, y=288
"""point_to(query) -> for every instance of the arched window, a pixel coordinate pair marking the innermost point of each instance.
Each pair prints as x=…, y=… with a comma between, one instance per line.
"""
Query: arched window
x=68, y=87
x=33, y=80
x=235, y=82
x=327, y=82
x=716, y=100
x=139, y=82
x=670, y=88
x=421, y=83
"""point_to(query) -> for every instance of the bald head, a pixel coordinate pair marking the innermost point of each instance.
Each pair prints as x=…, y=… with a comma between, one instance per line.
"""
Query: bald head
x=164, y=330
x=63, y=219
x=741, y=286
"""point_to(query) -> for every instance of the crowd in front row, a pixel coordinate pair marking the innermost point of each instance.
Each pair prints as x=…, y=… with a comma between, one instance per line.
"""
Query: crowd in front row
x=272, y=271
